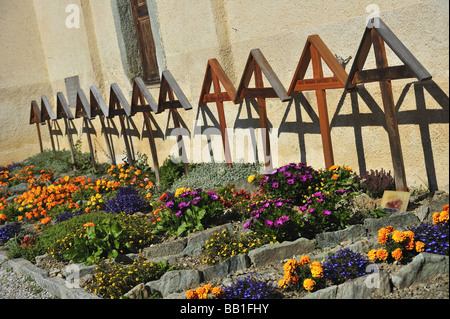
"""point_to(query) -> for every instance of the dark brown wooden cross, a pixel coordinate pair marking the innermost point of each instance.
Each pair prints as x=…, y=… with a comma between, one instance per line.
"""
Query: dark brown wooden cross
x=168, y=90
x=63, y=112
x=315, y=50
x=47, y=115
x=83, y=110
x=377, y=34
x=100, y=109
x=216, y=75
x=258, y=65
x=119, y=106
x=140, y=95
x=35, y=118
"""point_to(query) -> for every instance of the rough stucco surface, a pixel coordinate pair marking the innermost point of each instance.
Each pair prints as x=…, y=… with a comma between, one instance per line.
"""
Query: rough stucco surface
x=191, y=32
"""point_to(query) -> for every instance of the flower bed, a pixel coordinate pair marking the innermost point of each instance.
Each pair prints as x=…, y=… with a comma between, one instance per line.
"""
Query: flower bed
x=83, y=219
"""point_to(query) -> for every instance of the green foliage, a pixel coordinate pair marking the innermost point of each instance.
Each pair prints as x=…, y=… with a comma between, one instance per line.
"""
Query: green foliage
x=105, y=239
x=170, y=171
x=274, y=218
x=215, y=175
x=189, y=211
x=223, y=245
x=114, y=280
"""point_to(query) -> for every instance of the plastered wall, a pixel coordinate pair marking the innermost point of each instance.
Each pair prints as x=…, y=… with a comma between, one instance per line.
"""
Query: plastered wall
x=42, y=52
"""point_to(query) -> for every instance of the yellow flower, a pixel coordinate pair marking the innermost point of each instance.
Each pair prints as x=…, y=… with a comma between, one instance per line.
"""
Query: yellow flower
x=420, y=246
x=332, y=168
x=309, y=284
x=372, y=254
x=282, y=283
x=398, y=236
x=251, y=178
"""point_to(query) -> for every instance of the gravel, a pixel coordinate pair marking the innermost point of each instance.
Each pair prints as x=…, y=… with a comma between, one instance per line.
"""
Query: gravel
x=13, y=286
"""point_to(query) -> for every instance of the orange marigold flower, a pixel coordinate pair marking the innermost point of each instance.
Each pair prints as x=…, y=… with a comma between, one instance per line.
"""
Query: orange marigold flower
x=335, y=176
x=282, y=283
x=191, y=294
x=445, y=208
x=382, y=254
x=398, y=236
x=309, y=284
x=397, y=254
x=89, y=224
x=217, y=292
x=304, y=260
x=372, y=254
x=383, y=235
x=420, y=246
x=45, y=220
x=163, y=196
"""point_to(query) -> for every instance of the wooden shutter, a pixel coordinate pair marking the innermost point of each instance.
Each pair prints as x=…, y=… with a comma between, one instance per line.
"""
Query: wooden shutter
x=145, y=40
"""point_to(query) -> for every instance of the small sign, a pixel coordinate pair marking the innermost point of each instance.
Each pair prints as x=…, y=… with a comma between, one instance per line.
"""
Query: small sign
x=395, y=201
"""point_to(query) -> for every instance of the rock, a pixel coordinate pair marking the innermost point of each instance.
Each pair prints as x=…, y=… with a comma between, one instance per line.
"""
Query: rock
x=364, y=287
x=165, y=249
x=140, y=291
x=76, y=271
x=19, y=189
x=395, y=220
x=229, y=266
x=271, y=253
x=175, y=281
x=423, y=213
x=333, y=238
x=197, y=240
x=421, y=269
x=326, y=293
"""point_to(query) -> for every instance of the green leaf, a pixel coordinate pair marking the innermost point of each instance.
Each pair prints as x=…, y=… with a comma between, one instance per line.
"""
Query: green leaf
x=181, y=229
x=116, y=230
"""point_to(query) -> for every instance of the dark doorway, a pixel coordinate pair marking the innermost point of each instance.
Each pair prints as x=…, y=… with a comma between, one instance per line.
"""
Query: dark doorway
x=145, y=41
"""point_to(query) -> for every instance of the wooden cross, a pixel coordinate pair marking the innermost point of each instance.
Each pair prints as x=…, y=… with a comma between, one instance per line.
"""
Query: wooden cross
x=257, y=65
x=47, y=115
x=315, y=50
x=100, y=109
x=377, y=33
x=168, y=89
x=140, y=95
x=35, y=118
x=63, y=112
x=83, y=109
x=216, y=75
x=118, y=106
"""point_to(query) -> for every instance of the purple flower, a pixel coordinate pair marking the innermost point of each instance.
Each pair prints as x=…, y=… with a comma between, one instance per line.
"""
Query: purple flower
x=213, y=195
x=247, y=224
x=302, y=208
x=279, y=204
x=178, y=213
x=275, y=185
x=285, y=218
x=326, y=213
x=267, y=204
x=196, y=200
x=278, y=223
x=268, y=223
x=169, y=204
x=290, y=181
x=311, y=210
